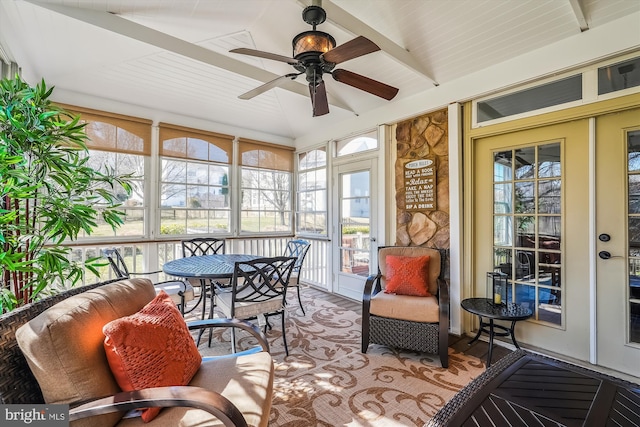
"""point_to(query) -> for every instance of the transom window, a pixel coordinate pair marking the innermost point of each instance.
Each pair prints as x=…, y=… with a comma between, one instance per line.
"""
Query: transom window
x=547, y=95
x=357, y=144
x=527, y=235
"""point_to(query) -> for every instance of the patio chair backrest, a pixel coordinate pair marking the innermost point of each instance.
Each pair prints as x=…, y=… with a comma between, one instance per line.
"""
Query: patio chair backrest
x=297, y=248
x=117, y=263
x=203, y=246
x=261, y=279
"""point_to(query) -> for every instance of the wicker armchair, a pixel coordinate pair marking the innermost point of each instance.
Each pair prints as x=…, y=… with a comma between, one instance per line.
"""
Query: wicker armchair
x=408, y=322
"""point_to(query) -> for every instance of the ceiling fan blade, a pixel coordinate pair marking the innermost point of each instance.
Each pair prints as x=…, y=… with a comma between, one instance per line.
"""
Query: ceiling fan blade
x=319, y=100
x=365, y=83
x=268, y=85
x=266, y=55
x=349, y=50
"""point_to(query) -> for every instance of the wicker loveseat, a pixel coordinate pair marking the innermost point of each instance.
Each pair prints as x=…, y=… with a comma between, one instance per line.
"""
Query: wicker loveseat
x=232, y=390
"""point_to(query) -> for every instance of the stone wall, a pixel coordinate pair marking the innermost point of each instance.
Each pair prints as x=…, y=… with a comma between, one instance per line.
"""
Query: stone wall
x=418, y=138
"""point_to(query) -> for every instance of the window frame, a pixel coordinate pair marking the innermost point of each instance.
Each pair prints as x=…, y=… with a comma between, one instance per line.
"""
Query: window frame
x=209, y=148
x=516, y=216
x=589, y=91
x=299, y=193
x=132, y=125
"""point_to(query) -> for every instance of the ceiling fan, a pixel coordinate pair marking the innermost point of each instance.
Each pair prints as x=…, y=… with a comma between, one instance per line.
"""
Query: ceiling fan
x=314, y=54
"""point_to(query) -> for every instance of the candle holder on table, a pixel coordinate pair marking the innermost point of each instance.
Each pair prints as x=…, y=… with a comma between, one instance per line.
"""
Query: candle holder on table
x=497, y=288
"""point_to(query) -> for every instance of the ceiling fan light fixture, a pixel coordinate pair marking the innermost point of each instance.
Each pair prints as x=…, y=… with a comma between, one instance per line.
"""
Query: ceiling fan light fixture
x=315, y=54
x=316, y=42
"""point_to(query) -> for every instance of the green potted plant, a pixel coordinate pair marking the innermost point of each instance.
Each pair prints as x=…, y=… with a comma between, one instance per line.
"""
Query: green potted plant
x=48, y=194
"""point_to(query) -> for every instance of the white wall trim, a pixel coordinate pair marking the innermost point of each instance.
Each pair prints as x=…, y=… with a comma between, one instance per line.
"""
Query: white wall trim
x=593, y=296
x=615, y=38
x=455, y=216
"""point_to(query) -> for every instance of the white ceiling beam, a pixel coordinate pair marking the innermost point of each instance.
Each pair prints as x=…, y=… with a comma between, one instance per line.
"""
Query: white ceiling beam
x=119, y=25
x=578, y=11
x=355, y=26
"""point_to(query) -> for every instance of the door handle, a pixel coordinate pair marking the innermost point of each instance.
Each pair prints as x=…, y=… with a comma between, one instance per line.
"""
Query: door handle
x=607, y=255
x=372, y=239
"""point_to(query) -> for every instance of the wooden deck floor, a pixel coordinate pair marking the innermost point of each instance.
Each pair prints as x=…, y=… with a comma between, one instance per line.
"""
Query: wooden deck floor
x=478, y=349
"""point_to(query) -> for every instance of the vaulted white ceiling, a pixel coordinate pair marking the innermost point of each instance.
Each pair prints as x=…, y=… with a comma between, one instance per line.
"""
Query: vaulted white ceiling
x=170, y=59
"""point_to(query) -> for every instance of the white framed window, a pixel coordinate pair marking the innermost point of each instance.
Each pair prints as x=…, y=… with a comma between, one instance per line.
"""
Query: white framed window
x=613, y=78
x=195, y=169
x=311, y=200
x=133, y=205
x=122, y=145
x=557, y=92
x=527, y=230
x=266, y=188
x=357, y=143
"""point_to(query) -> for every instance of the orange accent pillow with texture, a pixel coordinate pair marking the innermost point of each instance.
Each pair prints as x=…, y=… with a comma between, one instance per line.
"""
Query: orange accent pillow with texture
x=151, y=348
x=407, y=275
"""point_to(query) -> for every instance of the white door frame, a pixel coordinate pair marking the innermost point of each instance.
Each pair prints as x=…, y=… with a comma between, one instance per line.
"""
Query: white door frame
x=354, y=165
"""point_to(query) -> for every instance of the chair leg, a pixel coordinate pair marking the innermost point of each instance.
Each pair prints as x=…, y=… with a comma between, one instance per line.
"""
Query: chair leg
x=284, y=335
x=181, y=305
x=300, y=301
x=443, y=343
x=233, y=340
x=203, y=296
x=365, y=334
x=211, y=308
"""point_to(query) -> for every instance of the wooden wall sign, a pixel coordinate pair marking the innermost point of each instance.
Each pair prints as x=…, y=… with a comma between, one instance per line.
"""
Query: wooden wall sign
x=420, y=185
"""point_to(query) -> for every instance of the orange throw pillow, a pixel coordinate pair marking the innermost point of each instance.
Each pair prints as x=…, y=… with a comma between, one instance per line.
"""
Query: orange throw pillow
x=407, y=275
x=151, y=348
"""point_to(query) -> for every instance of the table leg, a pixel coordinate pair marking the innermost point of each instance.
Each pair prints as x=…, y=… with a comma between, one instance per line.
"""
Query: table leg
x=490, y=342
x=513, y=336
x=479, y=331
x=204, y=283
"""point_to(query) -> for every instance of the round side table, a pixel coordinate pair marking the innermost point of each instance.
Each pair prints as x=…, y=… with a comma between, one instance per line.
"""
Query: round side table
x=485, y=308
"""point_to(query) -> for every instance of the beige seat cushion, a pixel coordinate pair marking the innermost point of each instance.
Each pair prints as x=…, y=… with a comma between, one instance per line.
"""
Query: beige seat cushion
x=173, y=289
x=245, y=310
x=64, y=345
x=417, y=309
x=434, y=262
x=247, y=381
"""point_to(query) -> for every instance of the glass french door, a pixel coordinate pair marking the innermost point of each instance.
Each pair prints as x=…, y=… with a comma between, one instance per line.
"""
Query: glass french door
x=355, y=205
x=531, y=223
x=618, y=241
x=560, y=217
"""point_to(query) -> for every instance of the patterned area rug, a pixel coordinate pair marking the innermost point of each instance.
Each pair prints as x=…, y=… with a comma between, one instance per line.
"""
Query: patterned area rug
x=326, y=380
